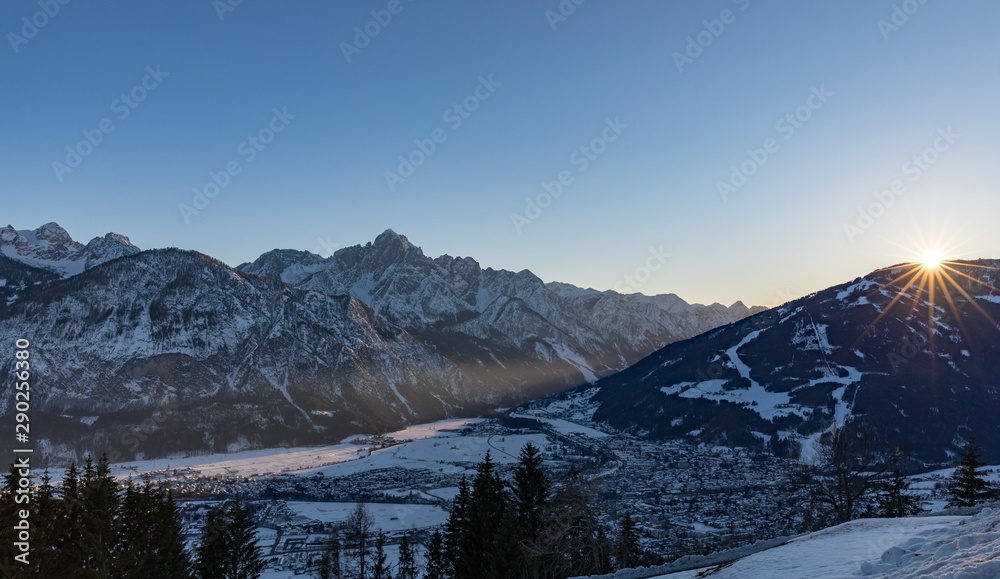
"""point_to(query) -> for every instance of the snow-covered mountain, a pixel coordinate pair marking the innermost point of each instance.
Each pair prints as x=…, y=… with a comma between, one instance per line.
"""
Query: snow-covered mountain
x=51, y=248
x=448, y=301
x=920, y=360
x=166, y=351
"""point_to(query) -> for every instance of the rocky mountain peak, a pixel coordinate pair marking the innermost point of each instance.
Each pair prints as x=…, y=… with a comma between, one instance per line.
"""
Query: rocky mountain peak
x=8, y=234
x=390, y=240
x=50, y=247
x=54, y=234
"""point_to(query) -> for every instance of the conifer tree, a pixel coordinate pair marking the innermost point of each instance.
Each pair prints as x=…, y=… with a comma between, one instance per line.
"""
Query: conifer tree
x=380, y=563
x=530, y=491
x=407, y=568
x=99, y=494
x=212, y=546
x=487, y=502
x=628, y=552
x=969, y=487
x=458, y=524
x=228, y=549
x=46, y=511
x=70, y=544
x=244, y=558
x=507, y=558
x=172, y=558
x=572, y=542
x=437, y=564
x=895, y=500
x=151, y=543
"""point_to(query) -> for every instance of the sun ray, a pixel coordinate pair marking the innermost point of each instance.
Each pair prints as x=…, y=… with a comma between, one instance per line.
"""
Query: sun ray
x=913, y=272
x=899, y=294
x=975, y=265
x=931, y=305
x=954, y=309
x=971, y=299
x=969, y=277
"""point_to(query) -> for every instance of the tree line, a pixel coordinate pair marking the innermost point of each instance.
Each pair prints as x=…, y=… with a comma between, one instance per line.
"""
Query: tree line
x=92, y=527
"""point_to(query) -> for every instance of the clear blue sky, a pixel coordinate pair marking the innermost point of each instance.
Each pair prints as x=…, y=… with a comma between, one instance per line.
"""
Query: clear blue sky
x=887, y=92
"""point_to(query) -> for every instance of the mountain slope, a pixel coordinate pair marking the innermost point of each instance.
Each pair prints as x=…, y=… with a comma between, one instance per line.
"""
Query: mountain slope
x=920, y=363
x=167, y=351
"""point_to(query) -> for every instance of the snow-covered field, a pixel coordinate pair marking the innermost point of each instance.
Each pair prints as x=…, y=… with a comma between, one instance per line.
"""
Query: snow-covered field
x=388, y=517
x=565, y=426
x=308, y=460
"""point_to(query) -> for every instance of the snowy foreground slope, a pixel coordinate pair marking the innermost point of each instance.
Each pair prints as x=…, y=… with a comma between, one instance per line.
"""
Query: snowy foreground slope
x=935, y=546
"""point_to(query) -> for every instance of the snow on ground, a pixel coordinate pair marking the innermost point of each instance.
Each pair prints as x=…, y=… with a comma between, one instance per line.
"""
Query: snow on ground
x=459, y=453
x=972, y=549
x=769, y=404
x=836, y=552
x=862, y=285
x=308, y=459
x=923, y=484
x=577, y=360
x=577, y=404
x=389, y=517
x=565, y=426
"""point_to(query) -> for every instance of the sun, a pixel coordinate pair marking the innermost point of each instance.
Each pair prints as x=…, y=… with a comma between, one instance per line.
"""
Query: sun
x=931, y=260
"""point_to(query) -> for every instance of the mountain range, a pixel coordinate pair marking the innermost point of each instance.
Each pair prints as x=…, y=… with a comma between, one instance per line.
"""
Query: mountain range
x=158, y=352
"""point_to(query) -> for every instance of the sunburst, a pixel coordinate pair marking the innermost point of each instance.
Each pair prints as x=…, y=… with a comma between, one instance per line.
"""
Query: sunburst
x=931, y=260
x=935, y=282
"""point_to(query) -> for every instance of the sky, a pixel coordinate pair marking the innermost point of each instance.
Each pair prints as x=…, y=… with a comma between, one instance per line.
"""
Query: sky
x=721, y=150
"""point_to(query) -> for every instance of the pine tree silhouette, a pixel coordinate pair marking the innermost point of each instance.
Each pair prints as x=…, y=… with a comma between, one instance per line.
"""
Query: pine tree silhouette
x=407, y=568
x=228, y=549
x=628, y=552
x=437, y=566
x=894, y=500
x=969, y=487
